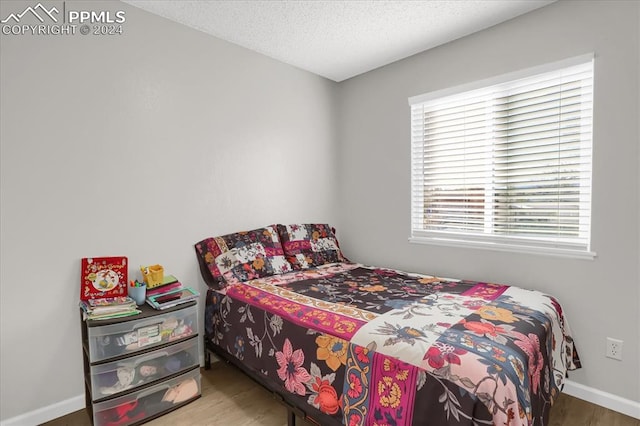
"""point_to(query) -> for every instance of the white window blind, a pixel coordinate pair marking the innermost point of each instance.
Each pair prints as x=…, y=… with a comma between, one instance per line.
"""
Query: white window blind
x=506, y=164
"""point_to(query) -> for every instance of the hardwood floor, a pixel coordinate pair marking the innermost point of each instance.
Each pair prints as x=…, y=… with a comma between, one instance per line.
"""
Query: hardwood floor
x=231, y=398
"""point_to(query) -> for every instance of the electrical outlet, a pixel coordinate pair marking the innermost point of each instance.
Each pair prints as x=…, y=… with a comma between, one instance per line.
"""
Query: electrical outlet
x=614, y=348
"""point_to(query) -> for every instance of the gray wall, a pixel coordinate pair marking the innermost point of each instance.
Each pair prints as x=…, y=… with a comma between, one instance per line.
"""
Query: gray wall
x=138, y=145
x=600, y=296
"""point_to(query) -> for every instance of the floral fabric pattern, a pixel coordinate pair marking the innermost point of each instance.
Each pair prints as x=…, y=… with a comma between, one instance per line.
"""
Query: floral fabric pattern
x=356, y=345
x=309, y=245
x=291, y=371
x=393, y=391
x=241, y=256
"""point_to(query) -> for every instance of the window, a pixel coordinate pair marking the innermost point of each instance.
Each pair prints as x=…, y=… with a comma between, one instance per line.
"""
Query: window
x=506, y=163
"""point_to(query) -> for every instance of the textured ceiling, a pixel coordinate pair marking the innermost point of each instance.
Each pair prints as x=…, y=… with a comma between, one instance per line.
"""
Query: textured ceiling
x=339, y=39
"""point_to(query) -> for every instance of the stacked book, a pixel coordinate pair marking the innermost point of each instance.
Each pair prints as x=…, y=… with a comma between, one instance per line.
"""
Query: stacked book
x=108, y=308
x=169, y=293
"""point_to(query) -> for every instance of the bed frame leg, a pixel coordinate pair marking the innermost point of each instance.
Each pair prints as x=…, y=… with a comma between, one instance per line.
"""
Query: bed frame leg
x=207, y=359
x=291, y=418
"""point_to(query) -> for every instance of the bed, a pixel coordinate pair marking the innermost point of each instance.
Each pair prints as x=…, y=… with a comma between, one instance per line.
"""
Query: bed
x=341, y=343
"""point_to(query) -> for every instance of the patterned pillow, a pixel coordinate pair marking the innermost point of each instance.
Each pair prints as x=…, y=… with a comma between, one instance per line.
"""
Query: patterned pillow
x=241, y=256
x=309, y=245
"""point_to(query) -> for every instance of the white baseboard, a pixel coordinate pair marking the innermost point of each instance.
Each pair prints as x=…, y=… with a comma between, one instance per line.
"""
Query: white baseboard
x=595, y=396
x=45, y=414
x=603, y=399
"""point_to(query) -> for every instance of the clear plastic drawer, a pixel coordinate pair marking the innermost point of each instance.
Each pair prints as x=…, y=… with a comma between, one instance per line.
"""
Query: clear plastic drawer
x=148, y=402
x=120, y=376
x=128, y=337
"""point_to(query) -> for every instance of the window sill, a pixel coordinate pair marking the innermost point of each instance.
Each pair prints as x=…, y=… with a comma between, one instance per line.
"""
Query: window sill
x=511, y=248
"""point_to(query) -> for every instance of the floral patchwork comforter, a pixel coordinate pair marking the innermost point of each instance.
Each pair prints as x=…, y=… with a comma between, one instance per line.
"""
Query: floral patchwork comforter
x=374, y=346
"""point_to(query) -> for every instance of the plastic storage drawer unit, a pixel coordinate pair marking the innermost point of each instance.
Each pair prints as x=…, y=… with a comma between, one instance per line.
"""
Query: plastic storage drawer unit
x=118, y=376
x=148, y=402
x=127, y=337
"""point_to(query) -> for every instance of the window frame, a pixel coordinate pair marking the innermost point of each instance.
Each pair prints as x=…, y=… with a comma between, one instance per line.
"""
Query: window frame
x=492, y=240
